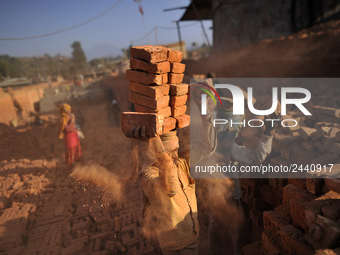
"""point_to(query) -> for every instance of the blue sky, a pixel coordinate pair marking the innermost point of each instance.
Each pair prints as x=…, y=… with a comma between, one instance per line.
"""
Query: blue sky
x=104, y=36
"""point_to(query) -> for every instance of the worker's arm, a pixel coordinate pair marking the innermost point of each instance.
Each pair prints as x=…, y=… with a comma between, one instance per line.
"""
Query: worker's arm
x=165, y=163
x=257, y=156
x=249, y=156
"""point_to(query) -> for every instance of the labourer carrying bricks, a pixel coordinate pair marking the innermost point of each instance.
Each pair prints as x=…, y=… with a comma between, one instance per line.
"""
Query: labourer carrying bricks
x=159, y=97
x=68, y=131
x=170, y=211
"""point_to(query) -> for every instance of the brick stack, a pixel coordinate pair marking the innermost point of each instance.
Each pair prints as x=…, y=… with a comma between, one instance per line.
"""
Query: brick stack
x=156, y=86
x=306, y=214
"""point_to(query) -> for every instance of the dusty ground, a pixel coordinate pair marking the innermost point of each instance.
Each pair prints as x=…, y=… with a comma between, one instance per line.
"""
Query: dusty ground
x=43, y=211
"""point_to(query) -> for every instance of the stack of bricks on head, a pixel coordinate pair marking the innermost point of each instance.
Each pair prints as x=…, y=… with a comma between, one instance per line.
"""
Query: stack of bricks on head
x=157, y=91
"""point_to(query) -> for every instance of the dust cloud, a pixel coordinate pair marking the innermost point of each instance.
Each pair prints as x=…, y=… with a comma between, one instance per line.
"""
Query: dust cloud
x=99, y=176
x=214, y=196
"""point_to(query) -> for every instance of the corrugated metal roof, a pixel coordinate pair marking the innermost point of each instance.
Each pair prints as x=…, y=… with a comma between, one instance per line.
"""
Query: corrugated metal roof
x=203, y=8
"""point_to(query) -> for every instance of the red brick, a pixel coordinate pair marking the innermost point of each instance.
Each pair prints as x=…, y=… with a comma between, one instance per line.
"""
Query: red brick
x=286, y=152
x=252, y=249
x=169, y=124
x=297, y=182
x=293, y=242
x=336, y=148
x=271, y=243
x=148, y=101
x=308, y=145
x=150, y=91
x=314, y=183
x=178, y=111
x=119, y=246
x=165, y=112
x=177, y=67
x=300, y=156
x=153, y=123
x=325, y=233
x=97, y=244
x=179, y=89
x=174, y=55
x=273, y=222
x=80, y=226
x=146, y=78
x=292, y=138
x=66, y=239
x=77, y=247
x=306, y=132
x=18, y=250
x=149, y=53
x=100, y=236
x=129, y=227
x=326, y=118
x=290, y=192
x=109, y=245
x=276, y=183
x=315, y=207
x=175, y=78
x=178, y=100
x=297, y=212
x=279, y=161
x=337, y=137
x=161, y=67
x=332, y=211
x=104, y=228
x=270, y=195
x=333, y=184
x=103, y=252
x=182, y=121
x=322, y=131
x=327, y=111
x=291, y=124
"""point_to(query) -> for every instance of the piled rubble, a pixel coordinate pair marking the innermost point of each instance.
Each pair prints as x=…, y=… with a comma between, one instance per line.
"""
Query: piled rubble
x=156, y=86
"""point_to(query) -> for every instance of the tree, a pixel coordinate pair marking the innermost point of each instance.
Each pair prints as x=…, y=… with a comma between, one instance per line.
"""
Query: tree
x=78, y=57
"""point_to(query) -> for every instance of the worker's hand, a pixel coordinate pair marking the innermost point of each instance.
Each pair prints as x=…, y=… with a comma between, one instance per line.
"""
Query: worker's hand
x=155, y=143
x=271, y=125
x=139, y=133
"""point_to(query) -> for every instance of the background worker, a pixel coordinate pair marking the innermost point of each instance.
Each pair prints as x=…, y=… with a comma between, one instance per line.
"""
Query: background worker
x=68, y=131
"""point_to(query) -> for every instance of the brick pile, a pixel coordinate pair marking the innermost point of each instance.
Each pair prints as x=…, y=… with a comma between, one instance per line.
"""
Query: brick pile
x=290, y=218
x=313, y=140
x=156, y=87
x=300, y=215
